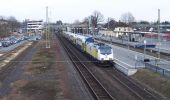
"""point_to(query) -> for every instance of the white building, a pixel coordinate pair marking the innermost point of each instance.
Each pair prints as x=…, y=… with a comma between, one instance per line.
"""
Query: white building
x=33, y=25
x=118, y=31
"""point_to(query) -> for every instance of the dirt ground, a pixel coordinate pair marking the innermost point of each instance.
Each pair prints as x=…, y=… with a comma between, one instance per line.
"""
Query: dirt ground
x=44, y=77
x=41, y=77
x=154, y=81
x=36, y=82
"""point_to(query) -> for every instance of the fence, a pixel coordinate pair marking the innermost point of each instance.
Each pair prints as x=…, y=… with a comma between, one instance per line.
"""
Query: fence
x=155, y=68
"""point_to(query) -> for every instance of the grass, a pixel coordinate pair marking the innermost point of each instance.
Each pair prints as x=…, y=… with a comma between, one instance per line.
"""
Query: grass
x=155, y=81
x=42, y=61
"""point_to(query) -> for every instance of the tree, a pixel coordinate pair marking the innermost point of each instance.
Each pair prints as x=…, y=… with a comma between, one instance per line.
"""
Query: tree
x=12, y=18
x=165, y=22
x=111, y=24
x=13, y=23
x=59, y=22
x=143, y=22
x=86, y=21
x=76, y=21
x=8, y=25
x=121, y=24
x=127, y=18
x=96, y=18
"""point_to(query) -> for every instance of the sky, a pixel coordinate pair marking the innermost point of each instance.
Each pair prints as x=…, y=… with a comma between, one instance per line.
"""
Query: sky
x=70, y=10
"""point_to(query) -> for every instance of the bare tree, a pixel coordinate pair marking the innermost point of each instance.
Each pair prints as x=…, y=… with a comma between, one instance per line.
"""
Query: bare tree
x=86, y=21
x=111, y=23
x=13, y=23
x=12, y=18
x=8, y=25
x=76, y=21
x=121, y=24
x=127, y=18
x=96, y=18
x=59, y=22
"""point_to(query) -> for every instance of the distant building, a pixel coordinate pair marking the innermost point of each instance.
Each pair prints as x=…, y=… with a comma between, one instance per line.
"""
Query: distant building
x=78, y=28
x=32, y=26
x=118, y=31
x=123, y=29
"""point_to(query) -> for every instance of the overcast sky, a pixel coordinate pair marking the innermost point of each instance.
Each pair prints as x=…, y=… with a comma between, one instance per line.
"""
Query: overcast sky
x=71, y=10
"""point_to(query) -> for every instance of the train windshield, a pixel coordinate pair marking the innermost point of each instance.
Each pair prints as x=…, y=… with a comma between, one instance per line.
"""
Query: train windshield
x=105, y=50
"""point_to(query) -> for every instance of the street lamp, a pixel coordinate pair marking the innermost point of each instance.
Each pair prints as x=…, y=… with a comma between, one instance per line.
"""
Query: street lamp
x=128, y=41
x=144, y=51
x=136, y=58
x=144, y=48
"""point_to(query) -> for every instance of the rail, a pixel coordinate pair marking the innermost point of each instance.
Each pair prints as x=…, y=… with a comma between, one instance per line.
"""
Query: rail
x=95, y=87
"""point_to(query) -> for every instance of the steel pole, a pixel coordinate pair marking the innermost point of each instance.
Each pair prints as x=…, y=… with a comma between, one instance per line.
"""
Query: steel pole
x=159, y=34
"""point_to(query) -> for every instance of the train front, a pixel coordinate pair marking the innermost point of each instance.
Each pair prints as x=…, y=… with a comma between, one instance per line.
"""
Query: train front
x=105, y=54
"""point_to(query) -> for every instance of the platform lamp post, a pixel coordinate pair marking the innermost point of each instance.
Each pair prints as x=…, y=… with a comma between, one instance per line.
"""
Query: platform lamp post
x=78, y=29
x=128, y=43
x=74, y=30
x=144, y=48
x=136, y=58
x=144, y=51
x=128, y=40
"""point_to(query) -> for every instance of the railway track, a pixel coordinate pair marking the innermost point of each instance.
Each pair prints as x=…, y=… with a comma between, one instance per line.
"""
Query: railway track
x=135, y=88
x=140, y=91
x=153, y=53
x=95, y=87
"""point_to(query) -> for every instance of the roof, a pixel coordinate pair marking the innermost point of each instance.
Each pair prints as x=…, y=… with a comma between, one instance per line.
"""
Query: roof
x=85, y=38
x=98, y=45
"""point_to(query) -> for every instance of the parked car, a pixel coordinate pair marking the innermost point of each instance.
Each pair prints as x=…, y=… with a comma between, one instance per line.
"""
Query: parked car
x=26, y=37
x=0, y=44
x=6, y=43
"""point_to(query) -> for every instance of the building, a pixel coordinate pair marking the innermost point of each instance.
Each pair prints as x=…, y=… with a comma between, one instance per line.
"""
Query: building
x=32, y=26
x=118, y=31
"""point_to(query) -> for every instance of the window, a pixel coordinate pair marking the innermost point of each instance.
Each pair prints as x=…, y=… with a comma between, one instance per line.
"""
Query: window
x=105, y=50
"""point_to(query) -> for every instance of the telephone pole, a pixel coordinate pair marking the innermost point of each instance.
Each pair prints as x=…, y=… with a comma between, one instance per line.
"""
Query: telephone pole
x=159, y=41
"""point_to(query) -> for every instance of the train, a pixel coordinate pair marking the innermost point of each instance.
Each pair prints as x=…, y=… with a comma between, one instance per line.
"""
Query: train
x=99, y=52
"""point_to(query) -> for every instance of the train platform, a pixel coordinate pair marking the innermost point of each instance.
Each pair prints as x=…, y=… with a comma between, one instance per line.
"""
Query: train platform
x=134, y=60
x=131, y=58
x=164, y=45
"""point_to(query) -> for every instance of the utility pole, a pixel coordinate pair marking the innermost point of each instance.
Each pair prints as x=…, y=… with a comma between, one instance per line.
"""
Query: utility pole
x=89, y=24
x=47, y=30
x=128, y=41
x=108, y=27
x=108, y=23
x=159, y=41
